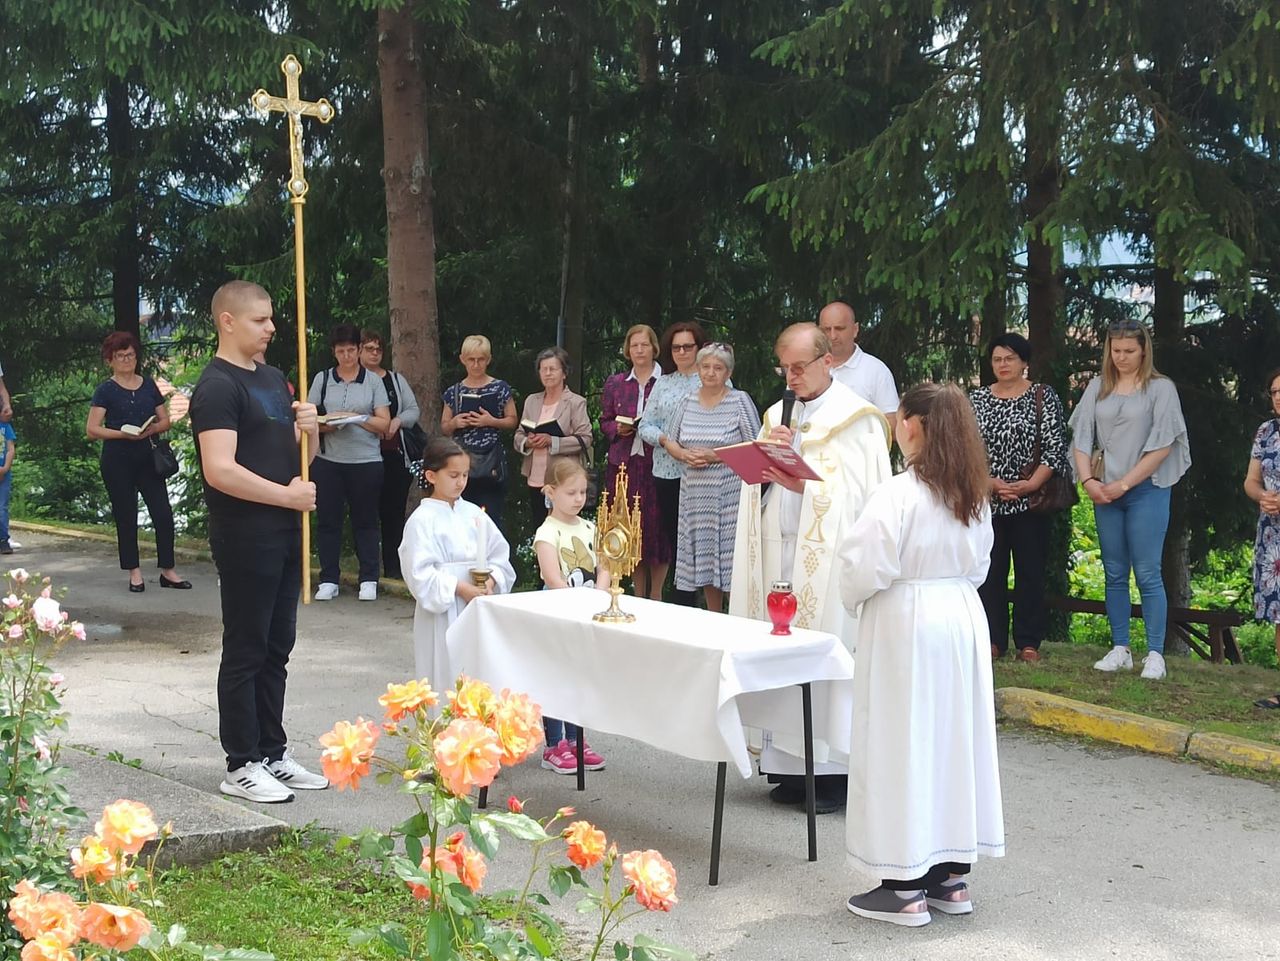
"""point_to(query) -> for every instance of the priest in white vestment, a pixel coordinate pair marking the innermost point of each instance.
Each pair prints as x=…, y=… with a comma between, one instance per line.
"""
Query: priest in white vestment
x=794, y=530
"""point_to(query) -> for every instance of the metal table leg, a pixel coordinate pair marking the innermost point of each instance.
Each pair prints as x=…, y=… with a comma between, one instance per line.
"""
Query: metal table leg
x=717, y=823
x=810, y=810
x=484, y=799
x=582, y=766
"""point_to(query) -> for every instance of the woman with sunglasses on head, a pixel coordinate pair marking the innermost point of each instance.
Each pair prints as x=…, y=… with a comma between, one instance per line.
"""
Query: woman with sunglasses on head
x=1130, y=447
x=1262, y=484
x=678, y=350
x=121, y=406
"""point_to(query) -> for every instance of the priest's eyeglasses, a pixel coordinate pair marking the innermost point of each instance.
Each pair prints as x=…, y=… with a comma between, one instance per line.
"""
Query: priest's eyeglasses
x=797, y=370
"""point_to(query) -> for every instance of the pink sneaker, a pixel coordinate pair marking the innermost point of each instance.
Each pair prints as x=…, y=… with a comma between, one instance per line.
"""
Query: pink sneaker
x=560, y=759
x=590, y=759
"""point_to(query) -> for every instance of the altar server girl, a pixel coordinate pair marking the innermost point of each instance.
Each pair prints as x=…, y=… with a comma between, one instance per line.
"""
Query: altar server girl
x=444, y=540
x=565, y=548
x=924, y=786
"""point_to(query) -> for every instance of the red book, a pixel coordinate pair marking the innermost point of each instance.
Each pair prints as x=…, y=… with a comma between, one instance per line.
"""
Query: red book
x=751, y=459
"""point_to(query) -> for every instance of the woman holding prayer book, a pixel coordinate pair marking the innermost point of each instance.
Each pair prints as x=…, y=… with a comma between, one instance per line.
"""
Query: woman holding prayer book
x=475, y=409
x=554, y=422
x=125, y=413
x=713, y=416
x=622, y=411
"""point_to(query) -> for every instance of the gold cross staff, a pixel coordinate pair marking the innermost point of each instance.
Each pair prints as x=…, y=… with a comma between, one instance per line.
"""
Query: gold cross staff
x=295, y=108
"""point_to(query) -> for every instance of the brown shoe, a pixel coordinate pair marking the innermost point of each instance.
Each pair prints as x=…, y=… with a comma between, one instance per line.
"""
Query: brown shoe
x=1029, y=655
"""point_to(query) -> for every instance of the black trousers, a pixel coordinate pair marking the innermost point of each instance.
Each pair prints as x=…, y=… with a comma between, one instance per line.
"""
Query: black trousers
x=128, y=470
x=1026, y=537
x=261, y=578
x=538, y=509
x=358, y=488
x=668, y=491
x=391, y=509
x=489, y=495
x=934, y=876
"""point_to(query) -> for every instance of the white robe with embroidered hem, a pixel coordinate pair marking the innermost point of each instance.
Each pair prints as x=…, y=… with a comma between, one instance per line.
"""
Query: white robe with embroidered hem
x=439, y=548
x=846, y=440
x=924, y=783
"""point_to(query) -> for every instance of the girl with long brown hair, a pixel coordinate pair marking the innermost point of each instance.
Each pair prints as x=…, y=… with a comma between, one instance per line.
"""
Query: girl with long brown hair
x=924, y=785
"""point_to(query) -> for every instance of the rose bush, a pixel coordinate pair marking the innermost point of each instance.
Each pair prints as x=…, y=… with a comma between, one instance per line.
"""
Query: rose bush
x=442, y=852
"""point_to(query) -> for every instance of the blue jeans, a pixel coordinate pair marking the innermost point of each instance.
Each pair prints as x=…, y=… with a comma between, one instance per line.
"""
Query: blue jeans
x=557, y=730
x=1131, y=534
x=6, y=485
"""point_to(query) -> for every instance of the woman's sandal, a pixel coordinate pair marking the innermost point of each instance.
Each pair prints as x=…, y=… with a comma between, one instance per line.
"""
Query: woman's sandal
x=1268, y=703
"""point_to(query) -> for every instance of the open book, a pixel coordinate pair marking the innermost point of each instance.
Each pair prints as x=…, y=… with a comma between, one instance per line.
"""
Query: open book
x=340, y=418
x=628, y=421
x=751, y=459
x=134, y=430
x=551, y=427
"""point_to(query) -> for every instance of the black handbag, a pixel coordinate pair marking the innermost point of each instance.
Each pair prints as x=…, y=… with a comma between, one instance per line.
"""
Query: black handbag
x=163, y=458
x=1058, y=492
x=489, y=465
x=413, y=443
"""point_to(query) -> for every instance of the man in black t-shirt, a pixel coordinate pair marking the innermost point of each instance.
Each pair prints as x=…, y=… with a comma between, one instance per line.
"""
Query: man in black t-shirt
x=247, y=430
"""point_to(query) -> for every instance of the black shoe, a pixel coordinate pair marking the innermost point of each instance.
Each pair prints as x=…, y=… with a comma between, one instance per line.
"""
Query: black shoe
x=827, y=804
x=786, y=793
x=176, y=585
x=137, y=588
x=6, y=547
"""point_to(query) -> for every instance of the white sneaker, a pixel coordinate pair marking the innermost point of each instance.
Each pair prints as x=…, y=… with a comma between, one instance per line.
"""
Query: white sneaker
x=1153, y=666
x=292, y=774
x=326, y=592
x=1117, y=659
x=254, y=782
x=368, y=590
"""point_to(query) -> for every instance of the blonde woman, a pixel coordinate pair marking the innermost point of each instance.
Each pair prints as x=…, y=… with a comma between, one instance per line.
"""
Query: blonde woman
x=475, y=409
x=1130, y=448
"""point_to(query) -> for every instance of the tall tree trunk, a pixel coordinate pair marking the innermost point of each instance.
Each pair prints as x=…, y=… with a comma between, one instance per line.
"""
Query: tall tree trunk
x=1169, y=314
x=1044, y=278
x=573, y=266
x=126, y=282
x=651, y=176
x=406, y=174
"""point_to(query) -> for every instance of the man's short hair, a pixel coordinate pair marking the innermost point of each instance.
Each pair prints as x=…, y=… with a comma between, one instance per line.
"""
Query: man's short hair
x=818, y=338
x=853, y=318
x=233, y=296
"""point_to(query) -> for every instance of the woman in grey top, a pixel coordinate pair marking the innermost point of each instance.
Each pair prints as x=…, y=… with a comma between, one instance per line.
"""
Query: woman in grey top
x=1130, y=448
x=348, y=469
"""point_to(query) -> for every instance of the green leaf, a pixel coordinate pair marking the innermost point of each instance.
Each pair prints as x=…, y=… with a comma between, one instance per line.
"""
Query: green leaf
x=485, y=838
x=621, y=951
x=439, y=937
x=538, y=940
x=413, y=848
x=656, y=949
x=519, y=826
x=177, y=934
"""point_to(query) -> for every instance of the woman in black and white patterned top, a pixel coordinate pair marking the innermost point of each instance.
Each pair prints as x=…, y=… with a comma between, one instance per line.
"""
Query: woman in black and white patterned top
x=1007, y=416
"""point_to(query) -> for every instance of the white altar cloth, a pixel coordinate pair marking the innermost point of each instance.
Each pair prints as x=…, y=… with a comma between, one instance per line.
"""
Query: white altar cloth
x=681, y=679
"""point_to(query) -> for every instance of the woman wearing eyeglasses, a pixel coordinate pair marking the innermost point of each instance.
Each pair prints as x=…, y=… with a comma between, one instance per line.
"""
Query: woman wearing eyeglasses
x=1262, y=484
x=678, y=351
x=713, y=416
x=1130, y=447
x=623, y=407
x=121, y=406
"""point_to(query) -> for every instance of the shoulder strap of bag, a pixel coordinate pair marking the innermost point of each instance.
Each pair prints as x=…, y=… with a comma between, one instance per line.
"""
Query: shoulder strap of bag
x=389, y=382
x=324, y=389
x=1039, y=393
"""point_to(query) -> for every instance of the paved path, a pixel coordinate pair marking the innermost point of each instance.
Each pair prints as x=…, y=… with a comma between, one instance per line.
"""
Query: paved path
x=1110, y=854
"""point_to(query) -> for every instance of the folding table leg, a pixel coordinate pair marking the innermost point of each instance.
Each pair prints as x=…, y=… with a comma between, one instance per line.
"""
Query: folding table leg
x=810, y=810
x=484, y=799
x=582, y=765
x=717, y=823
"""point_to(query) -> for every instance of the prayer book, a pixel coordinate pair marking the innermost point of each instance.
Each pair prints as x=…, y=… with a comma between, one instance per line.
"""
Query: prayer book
x=340, y=418
x=550, y=427
x=751, y=459
x=134, y=431
x=629, y=421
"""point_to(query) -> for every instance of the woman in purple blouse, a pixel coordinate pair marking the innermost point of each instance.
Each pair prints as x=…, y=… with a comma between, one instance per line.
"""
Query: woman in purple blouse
x=621, y=410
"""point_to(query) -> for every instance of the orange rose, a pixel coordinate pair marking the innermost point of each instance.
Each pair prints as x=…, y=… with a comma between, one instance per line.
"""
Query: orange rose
x=24, y=909
x=403, y=699
x=47, y=948
x=113, y=926
x=348, y=749
x=468, y=755
x=473, y=699
x=59, y=918
x=652, y=877
x=92, y=860
x=126, y=826
x=585, y=844
x=464, y=863
x=518, y=722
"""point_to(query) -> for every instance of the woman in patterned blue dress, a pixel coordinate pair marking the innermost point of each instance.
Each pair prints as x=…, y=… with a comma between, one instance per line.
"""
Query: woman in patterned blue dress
x=713, y=416
x=1262, y=484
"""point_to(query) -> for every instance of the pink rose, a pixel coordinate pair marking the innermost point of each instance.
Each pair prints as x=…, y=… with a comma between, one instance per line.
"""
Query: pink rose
x=77, y=630
x=20, y=575
x=47, y=613
x=42, y=747
x=15, y=632
x=12, y=602
x=57, y=680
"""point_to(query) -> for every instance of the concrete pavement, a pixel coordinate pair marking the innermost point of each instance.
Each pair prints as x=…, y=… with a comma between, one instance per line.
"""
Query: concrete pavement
x=1110, y=853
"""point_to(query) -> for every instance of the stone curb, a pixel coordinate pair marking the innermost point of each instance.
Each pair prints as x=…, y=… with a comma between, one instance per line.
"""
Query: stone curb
x=1067, y=716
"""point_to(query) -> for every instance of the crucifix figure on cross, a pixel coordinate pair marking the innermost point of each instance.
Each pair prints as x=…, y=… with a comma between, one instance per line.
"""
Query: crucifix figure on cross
x=295, y=108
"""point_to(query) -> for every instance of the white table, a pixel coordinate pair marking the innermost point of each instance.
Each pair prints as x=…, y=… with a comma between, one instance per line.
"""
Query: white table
x=681, y=679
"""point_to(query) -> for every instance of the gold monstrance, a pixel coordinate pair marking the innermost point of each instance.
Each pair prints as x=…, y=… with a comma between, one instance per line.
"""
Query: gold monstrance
x=617, y=544
x=295, y=108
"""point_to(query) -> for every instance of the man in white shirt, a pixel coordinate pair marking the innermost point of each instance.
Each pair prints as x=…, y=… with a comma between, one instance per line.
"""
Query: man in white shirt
x=863, y=374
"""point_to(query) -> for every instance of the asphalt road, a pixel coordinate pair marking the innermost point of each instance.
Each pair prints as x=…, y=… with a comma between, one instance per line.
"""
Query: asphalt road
x=1111, y=854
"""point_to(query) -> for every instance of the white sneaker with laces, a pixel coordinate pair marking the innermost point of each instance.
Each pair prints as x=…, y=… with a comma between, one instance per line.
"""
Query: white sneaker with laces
x=1117, y=659
x=292, y=774
x=1153, y=666
x=326, y=592
x=368, y=590
x=254, y=782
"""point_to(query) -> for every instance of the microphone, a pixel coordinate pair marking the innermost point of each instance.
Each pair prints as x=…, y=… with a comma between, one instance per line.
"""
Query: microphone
x=788, y=404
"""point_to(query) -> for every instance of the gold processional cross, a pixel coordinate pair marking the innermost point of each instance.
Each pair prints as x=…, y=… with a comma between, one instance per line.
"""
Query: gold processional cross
x=295, y=108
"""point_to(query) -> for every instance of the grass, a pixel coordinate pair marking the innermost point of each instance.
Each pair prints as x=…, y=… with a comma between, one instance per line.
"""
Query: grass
x=1209, y=697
